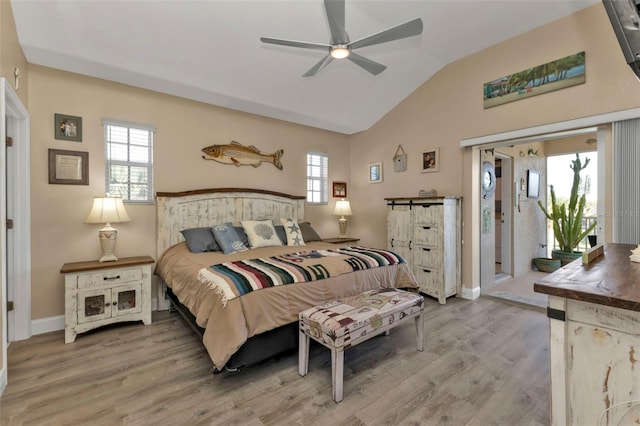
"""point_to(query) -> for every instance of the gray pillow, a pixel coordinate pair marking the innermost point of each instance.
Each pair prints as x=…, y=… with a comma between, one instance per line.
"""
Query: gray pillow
x=308, y=233
x=200, y=240
x=227, y=238
x=242, y=235
x=282, y=234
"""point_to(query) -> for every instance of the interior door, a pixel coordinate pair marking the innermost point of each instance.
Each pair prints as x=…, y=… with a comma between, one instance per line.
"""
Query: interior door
x=9, y=272
x=506, y=213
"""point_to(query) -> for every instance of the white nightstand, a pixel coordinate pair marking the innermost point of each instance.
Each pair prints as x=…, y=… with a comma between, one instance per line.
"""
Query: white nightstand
x=343, y=242
x=97, y=293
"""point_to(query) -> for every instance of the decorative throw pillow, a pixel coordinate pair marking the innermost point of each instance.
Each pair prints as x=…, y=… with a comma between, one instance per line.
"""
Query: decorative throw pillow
x=200, y=240
x=227, y=238
x=294, y=234
x=261, y=233
x=242, y=235
x=308, y=233
x=282, y=234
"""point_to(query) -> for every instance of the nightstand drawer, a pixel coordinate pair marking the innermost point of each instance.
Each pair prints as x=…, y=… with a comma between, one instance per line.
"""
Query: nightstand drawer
x=115, y=276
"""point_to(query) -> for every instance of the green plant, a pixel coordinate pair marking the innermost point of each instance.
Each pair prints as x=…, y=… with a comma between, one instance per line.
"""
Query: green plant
x=567, y=221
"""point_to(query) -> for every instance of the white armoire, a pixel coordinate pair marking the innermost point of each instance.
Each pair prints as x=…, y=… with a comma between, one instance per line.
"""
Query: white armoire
x=427, y=233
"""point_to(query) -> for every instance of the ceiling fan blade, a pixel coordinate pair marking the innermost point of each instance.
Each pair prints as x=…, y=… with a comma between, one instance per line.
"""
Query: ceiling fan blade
x=335, y=16
x=317, y=67
x=408, y=29
x=369, y=65
x=293, y=43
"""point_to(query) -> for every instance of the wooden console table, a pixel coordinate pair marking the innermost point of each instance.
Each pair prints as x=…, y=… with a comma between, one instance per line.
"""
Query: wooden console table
x=594, y=318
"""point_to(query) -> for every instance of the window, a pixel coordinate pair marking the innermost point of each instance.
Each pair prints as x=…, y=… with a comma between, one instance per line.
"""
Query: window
x=128, y=160
x=317, y=177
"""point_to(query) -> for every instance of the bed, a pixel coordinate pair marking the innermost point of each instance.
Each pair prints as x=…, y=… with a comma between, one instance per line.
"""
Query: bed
x=240, y=328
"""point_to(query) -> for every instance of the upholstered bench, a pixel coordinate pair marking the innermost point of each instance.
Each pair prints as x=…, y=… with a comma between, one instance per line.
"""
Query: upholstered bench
x=341, y=324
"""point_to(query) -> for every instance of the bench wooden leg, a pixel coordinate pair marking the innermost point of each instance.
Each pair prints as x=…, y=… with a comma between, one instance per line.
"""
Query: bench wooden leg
x=420, y=331
x=303, y=354
x=337, y=370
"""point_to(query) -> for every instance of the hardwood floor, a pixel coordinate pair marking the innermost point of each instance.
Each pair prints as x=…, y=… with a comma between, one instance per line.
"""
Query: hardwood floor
x=485, y=363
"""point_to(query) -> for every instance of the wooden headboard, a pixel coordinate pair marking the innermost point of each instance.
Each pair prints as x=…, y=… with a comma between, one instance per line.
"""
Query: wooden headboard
x=207, y=207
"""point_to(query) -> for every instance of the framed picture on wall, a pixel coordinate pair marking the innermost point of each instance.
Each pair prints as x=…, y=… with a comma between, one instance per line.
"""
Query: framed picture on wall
x=339, y=189
x=375, y=172
x=68, y=167
x=68, y=127
x=430, y=160
x=533, y=184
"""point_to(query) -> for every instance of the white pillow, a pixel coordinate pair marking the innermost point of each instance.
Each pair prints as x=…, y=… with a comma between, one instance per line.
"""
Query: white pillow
x=261, y=233
x=294, y=234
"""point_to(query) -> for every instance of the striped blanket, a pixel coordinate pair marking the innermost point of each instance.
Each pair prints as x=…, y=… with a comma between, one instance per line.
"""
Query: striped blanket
x=234, y=279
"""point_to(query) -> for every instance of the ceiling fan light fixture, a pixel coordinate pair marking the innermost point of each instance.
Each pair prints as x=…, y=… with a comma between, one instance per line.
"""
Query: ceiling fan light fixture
x=340, y=51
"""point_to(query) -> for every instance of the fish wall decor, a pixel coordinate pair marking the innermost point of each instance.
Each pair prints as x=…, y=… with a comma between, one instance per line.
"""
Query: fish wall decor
x=240, y=155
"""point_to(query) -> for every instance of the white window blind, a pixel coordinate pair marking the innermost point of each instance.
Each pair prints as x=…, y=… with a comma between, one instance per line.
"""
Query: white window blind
x=128, y=160
x=317, y=178
x=626, y=179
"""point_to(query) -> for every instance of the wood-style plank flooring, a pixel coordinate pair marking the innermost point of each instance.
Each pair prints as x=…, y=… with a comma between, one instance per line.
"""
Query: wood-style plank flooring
x=485, y=363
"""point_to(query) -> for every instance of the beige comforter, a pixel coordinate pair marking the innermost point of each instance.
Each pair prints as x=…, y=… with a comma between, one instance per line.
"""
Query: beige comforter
x=228, y=327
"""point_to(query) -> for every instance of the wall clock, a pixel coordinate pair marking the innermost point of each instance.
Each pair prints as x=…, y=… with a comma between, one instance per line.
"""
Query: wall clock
x=488, y=180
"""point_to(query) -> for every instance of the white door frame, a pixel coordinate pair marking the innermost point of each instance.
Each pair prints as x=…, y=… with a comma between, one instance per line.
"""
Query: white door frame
x=17, y=326
x=530, y=134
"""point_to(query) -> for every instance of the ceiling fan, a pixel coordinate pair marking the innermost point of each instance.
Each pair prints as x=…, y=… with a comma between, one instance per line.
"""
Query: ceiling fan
x=341, y=47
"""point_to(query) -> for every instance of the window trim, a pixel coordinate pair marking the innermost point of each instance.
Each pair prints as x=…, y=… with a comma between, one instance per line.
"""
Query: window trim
x=148, y=165
x=324, y=180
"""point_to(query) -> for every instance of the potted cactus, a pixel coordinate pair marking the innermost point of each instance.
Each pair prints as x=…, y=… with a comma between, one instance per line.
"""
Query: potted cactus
x=567, y=219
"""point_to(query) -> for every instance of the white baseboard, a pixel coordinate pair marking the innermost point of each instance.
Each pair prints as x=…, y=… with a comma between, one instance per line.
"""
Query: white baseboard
x=47, y=325
x=470, y=293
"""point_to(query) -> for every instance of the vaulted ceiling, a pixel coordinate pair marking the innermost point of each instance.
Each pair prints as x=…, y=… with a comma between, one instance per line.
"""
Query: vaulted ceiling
x=210, y=50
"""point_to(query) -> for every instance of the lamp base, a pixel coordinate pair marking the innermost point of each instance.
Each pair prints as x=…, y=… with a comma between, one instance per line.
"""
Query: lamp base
x=342, y=223
x=108, y=258
x=108, y=236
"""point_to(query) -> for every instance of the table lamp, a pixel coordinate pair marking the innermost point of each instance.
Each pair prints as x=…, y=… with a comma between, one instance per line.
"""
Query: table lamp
x=343, y=208
x=107, y=210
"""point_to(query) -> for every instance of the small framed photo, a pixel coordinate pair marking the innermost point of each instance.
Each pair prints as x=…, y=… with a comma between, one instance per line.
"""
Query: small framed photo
x=430, y=160
x=533, y=184
x=68, y=167
x=339, y=189
x=68, y=127
x=375, y=172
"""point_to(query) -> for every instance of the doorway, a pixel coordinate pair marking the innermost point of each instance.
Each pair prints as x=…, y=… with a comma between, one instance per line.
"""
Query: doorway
x=528, y=229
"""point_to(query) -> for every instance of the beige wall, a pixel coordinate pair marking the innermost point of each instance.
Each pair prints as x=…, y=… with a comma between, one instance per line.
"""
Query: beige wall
x=449, y=108
x=11, y=55
x=183, y=128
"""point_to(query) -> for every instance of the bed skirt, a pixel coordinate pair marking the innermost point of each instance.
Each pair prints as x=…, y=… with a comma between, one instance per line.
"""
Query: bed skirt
x=256, y=349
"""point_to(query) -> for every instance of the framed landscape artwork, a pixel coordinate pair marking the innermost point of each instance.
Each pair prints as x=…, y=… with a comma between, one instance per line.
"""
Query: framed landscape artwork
x=555, y=75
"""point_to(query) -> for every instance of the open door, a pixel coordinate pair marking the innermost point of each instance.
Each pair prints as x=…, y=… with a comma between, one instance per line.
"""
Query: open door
x=504, y=211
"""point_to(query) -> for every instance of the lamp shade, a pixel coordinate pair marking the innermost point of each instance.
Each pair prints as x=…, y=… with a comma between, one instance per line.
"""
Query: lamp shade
x=107, y=210
x=343, y=208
